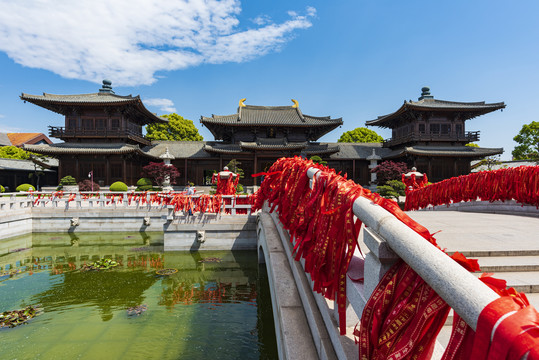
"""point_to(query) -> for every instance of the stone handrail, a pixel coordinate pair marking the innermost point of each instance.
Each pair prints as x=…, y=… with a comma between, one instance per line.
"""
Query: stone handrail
x=385, y=234
x=89, y=200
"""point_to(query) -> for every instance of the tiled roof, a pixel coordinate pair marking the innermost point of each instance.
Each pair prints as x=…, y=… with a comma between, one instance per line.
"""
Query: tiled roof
x=102, y=98
x=470, y=109
x=272, y=144
x=250, y=115
x=223, y=149
x=324, y=149
x=84, y=149
x=18, y=139
x=52, y=101
x=202, y=149
x=460, y=151
x=22, y=165
x=4, y=140
x=178, y=149
x=356, y=150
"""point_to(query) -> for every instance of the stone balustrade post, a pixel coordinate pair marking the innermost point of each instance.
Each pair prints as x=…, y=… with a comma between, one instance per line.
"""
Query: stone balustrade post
x=377, y=262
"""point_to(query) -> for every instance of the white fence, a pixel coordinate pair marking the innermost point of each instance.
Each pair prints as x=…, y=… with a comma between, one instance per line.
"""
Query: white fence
x=90, y=200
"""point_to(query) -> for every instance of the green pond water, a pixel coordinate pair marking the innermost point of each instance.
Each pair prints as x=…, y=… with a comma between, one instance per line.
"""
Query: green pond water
x=217, y=306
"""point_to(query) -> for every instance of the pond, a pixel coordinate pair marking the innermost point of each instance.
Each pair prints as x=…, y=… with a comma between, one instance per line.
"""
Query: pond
x=216, y=306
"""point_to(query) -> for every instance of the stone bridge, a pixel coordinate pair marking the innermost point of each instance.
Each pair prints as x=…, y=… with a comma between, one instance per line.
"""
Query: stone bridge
x=306, y=322
x=507, y=245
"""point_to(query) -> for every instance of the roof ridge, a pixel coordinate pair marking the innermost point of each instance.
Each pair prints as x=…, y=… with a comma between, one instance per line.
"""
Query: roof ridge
x=264, y=107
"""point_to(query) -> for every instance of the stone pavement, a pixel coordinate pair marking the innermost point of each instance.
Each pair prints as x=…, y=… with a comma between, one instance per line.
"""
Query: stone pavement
x=506, y=245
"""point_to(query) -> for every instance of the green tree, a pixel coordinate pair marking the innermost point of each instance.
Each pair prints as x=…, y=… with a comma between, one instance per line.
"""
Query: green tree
x=318, y=160
x=234, y=166
x=13, y=152
x=360, y=135
x=177, y=128
x=392, y=189
x=528, y=140
x=490, y=163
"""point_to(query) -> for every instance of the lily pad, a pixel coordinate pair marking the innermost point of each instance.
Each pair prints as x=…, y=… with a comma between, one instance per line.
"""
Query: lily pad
x=17, y=317
x=136, y=310
x=102, y=264
x=166, y=272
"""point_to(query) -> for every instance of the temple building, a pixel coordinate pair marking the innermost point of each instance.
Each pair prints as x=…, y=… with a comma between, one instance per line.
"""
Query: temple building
x=256, y=136
x=430, y=134
x=103, y=134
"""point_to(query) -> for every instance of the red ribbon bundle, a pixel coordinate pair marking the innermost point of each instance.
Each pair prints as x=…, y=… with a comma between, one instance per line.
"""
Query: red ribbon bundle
x=520, y=183
x=226, y=186
x=404, y=315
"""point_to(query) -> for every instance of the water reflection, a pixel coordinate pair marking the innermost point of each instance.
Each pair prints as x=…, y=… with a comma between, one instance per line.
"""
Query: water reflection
x=210, y=307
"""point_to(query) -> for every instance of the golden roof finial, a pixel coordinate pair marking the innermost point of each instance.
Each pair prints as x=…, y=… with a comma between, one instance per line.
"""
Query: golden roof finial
x=296, y=105
x=241, y=102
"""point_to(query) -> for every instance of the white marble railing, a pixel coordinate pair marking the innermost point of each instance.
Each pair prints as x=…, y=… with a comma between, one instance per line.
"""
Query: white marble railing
x=389, y=239
x=89, y=200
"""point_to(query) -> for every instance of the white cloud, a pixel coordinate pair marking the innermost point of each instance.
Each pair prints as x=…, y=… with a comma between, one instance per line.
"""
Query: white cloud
x=262, y=20
x=1, y=116
x=128, y=41
x=165, y=105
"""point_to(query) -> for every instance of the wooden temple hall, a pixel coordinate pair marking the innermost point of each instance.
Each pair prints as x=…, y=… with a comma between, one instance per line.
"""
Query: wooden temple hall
x=102, y=133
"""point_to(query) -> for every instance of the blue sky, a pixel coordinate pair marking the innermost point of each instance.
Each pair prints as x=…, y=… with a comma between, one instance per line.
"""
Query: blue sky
x=351, y=59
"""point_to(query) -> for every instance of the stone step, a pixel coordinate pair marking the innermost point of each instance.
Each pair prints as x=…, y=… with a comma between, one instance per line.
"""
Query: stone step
x=509, y=263
x=523, y=281
x=497, y=252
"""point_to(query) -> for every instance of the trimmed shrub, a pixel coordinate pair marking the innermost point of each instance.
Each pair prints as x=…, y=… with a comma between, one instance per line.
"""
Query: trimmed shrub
x=318, y=160
x=68, y=180
x=25, y=187
x=86, y=185
x=144, y=182
x=239, y=189
x=392, y=190
x=118, y=186
x=2, y=189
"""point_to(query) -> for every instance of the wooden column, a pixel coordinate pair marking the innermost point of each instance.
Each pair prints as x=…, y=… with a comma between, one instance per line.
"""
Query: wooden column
x=255, y=180
x=124, y=167
x=430, y=167
x=455, y=168
x=354, y=169
x=77, y=169
x=185, y=171
x=107, y=170
x=60, y=172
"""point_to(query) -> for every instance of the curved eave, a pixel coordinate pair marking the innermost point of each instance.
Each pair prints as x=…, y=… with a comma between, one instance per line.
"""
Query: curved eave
x=473, y=109
x=328, y=151
x=58, y=103
x=470, y=152
x=287, y=147
x=218, y=150
x=58, y=151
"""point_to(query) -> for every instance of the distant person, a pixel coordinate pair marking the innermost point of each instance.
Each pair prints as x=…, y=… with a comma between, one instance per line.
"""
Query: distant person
x=189, y=190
